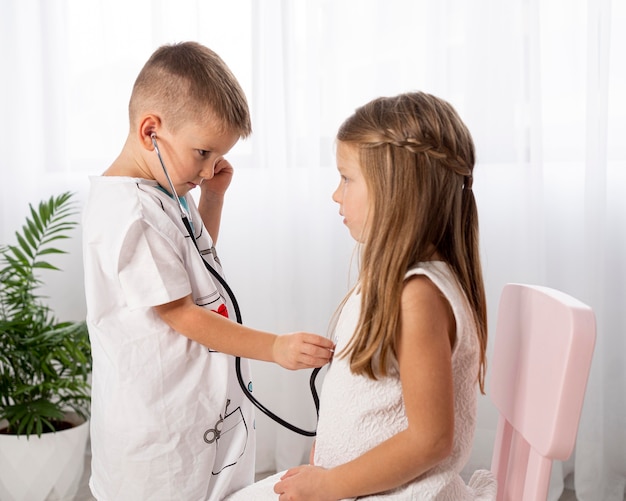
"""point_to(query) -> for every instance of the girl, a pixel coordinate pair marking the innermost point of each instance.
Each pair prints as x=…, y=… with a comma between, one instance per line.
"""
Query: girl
x=398, y=404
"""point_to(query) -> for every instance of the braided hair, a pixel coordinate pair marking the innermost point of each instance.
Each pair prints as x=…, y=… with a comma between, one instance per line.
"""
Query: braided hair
x=417, y=157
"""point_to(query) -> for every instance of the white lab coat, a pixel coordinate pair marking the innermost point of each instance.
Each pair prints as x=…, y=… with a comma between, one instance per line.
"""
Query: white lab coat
x=169, y=420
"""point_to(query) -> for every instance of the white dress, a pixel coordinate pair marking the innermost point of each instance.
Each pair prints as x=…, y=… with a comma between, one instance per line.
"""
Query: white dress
x=169, y=421
x=358, y=413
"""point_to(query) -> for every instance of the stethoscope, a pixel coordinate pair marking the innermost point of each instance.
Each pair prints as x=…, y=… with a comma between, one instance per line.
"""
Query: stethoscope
x=231, y=295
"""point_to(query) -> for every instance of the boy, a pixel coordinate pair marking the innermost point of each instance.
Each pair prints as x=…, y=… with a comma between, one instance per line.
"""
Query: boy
x=169, y=420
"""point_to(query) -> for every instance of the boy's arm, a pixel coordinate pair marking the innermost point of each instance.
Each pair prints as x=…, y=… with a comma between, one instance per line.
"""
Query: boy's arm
x=424, y=356
x=212, y=197
x=295, y=351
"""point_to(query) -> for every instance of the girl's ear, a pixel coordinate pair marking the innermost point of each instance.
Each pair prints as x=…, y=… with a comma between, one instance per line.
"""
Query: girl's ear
x=148, y=125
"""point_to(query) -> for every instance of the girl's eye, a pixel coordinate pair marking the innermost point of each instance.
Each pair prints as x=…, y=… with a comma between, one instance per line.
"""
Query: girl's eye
x=344, y=179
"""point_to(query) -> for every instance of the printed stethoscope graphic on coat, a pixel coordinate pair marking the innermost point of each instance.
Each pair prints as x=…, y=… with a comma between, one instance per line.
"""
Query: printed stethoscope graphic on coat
x=233, y=429
x=246, y=389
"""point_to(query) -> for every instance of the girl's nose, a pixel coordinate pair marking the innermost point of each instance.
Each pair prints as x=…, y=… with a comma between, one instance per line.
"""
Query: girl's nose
x=336, y=193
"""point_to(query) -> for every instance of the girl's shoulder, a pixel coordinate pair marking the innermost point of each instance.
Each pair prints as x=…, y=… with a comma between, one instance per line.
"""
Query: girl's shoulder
x=419, y=286
x=423, y=299
x=437, y=271
x=443, y=280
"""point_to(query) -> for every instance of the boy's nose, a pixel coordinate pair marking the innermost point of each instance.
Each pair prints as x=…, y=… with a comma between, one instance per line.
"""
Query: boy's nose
x=208, y=172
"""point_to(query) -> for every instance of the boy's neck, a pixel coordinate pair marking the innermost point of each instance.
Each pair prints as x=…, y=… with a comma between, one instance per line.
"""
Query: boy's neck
x=129, y=163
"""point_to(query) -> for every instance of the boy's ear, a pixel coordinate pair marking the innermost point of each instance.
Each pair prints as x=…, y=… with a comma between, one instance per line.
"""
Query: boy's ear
x=149, y=124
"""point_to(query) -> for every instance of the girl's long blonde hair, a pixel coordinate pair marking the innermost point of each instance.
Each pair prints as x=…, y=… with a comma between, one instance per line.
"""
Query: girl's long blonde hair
x=417, y=158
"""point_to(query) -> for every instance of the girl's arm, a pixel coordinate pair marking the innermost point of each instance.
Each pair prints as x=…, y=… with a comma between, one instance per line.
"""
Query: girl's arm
x=295, y=351
x=425, y=360
x=211, y=199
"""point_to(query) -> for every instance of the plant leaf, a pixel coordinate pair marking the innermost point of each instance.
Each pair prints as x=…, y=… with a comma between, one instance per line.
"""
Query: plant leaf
x=26, y=245
x=44, y=364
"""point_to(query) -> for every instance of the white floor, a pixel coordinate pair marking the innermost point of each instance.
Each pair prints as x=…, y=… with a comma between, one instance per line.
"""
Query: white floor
x=84, y=494
x=568, y=496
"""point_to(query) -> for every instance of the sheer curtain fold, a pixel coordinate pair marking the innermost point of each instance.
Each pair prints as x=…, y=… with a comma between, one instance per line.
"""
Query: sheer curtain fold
x=600, y=469
x=541, y=85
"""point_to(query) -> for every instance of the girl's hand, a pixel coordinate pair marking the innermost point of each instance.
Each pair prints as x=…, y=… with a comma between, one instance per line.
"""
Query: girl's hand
x=303, y=483
x=302, y=350
x=219, y=183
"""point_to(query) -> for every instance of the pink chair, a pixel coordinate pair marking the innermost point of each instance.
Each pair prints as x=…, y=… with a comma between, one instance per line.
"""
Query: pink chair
x=542, y=355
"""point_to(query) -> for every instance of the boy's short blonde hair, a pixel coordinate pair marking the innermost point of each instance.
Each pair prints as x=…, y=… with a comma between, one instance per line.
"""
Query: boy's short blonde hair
x=188, y=82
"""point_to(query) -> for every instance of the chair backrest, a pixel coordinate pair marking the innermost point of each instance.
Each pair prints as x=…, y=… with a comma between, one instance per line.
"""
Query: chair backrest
x=542, y=355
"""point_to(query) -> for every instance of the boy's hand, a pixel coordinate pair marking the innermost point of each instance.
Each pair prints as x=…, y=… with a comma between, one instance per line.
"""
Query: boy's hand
x=219, y=183
x=212, y=197
x=302, y=350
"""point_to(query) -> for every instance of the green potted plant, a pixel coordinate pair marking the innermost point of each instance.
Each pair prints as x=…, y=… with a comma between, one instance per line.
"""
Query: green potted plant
x=44, y=363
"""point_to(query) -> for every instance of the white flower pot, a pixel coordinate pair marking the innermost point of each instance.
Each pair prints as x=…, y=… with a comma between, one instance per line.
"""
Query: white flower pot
x=46, y=468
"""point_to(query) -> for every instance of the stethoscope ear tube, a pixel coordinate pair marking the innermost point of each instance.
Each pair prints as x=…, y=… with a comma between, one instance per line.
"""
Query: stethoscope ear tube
x=214, y=272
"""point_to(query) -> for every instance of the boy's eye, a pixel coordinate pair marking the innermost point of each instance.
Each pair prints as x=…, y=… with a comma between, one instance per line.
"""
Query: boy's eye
x=203, y=153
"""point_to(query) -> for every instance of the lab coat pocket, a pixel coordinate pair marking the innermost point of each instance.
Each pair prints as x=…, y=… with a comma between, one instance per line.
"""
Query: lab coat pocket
x=229, y=436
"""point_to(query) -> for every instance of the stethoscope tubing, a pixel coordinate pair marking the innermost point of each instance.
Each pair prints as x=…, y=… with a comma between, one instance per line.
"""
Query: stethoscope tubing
x=240, y=380
x=238, y=318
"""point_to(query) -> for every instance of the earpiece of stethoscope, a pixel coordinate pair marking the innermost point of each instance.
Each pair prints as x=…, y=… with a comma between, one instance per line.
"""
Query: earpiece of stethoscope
x=233, y=299
x=167, y=176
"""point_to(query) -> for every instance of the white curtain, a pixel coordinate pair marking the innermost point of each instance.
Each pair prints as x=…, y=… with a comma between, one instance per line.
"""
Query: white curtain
x=541, y=84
